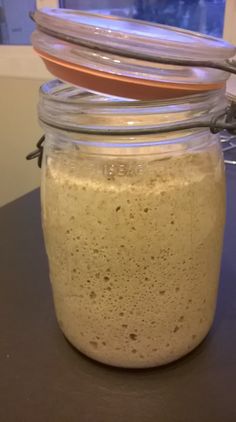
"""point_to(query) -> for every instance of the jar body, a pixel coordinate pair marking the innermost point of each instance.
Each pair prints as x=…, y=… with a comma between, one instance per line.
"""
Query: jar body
x=134, y=245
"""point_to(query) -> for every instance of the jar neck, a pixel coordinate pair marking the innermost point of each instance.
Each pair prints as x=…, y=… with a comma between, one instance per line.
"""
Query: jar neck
x=161, y=145
x=70, y=109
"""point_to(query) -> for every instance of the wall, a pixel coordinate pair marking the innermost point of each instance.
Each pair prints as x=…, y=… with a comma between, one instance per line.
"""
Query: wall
x=20, y=79
x=19, y=133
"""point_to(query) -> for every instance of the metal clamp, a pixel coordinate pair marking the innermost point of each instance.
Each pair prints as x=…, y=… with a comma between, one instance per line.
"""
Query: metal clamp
x=38, y=153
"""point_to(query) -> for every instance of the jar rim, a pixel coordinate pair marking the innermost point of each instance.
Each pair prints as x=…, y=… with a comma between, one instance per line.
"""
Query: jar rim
x=72, y=108
x=63, y=92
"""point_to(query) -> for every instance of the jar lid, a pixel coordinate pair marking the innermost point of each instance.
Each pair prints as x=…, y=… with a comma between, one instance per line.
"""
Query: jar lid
x=118, y=56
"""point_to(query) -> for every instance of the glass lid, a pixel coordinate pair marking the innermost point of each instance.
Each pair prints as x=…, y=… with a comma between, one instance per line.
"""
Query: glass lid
x=119, y=56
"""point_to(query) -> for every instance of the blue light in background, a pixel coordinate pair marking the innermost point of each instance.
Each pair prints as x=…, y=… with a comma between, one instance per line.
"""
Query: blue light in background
x=205, y=16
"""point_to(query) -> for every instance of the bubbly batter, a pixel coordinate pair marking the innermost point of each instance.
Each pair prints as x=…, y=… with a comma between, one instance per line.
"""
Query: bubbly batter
x=134, y=247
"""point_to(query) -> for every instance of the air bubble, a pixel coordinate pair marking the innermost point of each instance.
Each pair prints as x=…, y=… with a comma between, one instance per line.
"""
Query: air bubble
x=92, y=295
x=94, y=344
x=133, y=336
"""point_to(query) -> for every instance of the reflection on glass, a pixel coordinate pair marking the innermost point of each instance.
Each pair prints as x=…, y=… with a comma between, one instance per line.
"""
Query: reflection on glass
x=205, y=16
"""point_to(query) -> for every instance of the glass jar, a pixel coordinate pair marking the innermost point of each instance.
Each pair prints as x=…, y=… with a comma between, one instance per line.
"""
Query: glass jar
x=133, y=222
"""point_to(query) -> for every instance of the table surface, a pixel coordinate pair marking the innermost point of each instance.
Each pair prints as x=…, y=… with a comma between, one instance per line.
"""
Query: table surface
x=44, y=379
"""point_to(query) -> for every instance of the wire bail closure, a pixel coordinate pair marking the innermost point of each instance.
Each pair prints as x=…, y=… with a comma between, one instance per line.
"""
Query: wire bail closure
x=38, y=153
x=224, y=121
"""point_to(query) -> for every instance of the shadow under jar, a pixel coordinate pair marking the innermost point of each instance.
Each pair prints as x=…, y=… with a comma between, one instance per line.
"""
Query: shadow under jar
x=133, y=223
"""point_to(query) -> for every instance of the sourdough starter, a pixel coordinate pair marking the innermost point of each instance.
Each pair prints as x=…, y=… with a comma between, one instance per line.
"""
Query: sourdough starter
x=134, y=249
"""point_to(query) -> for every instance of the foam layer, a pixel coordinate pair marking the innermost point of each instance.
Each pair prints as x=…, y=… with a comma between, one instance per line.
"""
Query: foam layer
x=134, y=248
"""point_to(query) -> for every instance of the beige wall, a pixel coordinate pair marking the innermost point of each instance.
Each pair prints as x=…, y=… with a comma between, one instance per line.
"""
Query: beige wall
x=19, y=134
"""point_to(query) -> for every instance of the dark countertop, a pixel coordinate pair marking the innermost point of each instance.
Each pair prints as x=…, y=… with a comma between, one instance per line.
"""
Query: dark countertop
x=43, y=379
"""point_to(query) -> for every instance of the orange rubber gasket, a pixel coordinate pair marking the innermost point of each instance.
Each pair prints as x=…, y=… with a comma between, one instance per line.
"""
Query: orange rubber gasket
x=121, y=86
